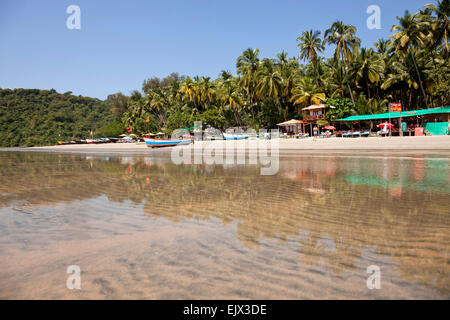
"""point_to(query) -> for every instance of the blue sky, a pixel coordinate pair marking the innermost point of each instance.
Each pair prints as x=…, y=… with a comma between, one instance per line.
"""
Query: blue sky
x=121, y=43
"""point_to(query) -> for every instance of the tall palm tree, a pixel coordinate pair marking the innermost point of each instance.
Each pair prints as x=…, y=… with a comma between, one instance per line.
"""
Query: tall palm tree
x=344, y=37
x=289, y=71
x=402, y=74
x=155, y=100
x=206, y=90
x=190, y=90
x=247, y=66
x=270, y=84
x=310, y=45
x=135, y=108
x=409, y=35
x=229, y=94
x=441, y=24
x=367, y=67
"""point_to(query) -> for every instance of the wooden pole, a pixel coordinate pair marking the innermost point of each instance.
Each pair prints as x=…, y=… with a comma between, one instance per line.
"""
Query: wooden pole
x=401, y=129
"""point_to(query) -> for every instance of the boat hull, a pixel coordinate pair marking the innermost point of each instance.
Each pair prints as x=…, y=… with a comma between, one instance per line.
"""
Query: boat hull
x=228, y=136
x=160, y=143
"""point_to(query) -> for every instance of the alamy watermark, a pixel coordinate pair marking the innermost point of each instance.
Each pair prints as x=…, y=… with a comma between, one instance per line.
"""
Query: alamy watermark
x=374, y=20
x=74, y=20
x=74, y=280
x=374, y=280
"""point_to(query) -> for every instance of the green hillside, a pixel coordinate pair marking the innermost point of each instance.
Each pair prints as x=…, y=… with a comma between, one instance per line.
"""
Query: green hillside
x=33, y=117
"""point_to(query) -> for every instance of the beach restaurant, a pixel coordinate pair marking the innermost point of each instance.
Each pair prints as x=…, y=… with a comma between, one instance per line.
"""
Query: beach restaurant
x=433, y=121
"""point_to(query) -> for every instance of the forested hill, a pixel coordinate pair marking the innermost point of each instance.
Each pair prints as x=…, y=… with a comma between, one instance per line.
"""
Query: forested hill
x=32, y=117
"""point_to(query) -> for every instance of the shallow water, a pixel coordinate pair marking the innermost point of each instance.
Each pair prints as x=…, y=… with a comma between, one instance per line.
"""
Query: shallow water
x=144, y=228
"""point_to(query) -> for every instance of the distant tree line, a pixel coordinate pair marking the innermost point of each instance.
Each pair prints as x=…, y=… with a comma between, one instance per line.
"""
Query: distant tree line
x=33, y=117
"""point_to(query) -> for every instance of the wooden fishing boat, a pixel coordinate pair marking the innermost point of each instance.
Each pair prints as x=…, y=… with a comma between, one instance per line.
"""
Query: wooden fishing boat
x=231, y=136
x=158, y=143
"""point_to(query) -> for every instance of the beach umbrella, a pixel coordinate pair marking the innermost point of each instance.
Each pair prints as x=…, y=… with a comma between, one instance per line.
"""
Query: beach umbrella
x=386, y=124
x=330, y=128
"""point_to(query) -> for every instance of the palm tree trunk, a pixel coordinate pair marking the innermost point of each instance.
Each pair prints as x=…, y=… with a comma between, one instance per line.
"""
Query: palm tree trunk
x=351, y=93
x=420, y=79
x=315, y=72
x=236, y=117
x=435, y=67
x=348, y=85
x=368, y=88
x=281, y=109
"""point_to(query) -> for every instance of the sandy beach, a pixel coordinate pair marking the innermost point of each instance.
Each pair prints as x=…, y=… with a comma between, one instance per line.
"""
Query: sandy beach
x=439, y=144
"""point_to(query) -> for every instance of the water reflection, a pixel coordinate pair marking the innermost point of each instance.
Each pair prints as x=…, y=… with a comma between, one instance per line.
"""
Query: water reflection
x=322, y=219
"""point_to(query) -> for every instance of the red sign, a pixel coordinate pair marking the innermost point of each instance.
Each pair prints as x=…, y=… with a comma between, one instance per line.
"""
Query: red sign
x=395, y=107
x=418, y=132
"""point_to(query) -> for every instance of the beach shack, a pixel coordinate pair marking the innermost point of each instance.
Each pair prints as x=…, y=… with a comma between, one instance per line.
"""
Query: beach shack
x=434, y=121
x=314, y=113
x=293, y=127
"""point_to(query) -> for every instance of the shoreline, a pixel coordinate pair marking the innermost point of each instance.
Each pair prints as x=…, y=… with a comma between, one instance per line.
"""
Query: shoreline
x=436, y=144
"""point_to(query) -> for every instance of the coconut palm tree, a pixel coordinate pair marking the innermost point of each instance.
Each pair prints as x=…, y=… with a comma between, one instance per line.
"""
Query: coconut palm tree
x=270, y=84
x=370, y=106
x=384, y=47
x=225, y=75
x=155, y=100
x=367, y=67
x=336, y=80
x=247, y=66
x=287, y=69
x=206, y=91
x=409, y=35
x=441, y=24
x=229, y=94
x=305, y=93
x=402, y=73
x=310, y=45
x=344, y=37
x=191, y=91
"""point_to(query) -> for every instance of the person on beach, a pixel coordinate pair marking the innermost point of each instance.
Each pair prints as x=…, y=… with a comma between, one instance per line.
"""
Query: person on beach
x=315, y=131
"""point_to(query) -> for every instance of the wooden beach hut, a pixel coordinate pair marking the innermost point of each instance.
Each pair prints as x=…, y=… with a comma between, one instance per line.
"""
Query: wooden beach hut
x=293, y=127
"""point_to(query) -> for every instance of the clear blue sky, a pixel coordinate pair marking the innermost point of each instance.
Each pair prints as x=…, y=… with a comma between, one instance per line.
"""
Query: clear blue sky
x=123, y=42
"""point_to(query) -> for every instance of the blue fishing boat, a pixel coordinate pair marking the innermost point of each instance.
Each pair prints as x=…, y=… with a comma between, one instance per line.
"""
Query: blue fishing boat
x=158, y=143
x=230, y=136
